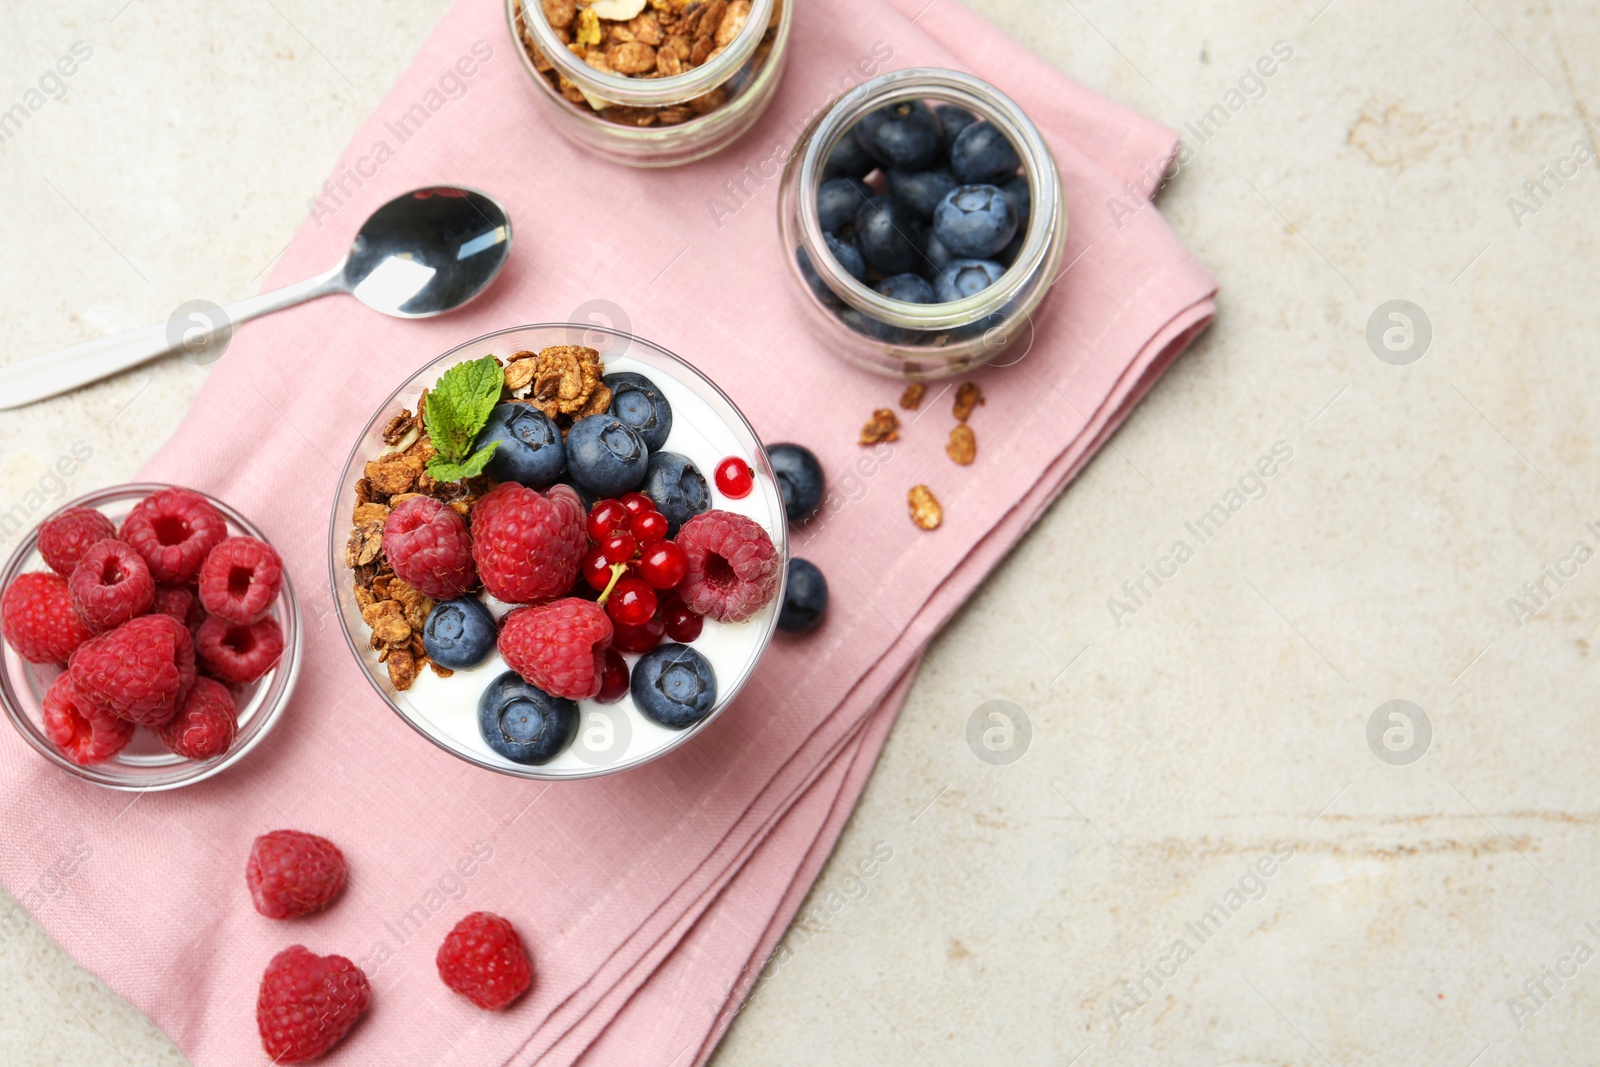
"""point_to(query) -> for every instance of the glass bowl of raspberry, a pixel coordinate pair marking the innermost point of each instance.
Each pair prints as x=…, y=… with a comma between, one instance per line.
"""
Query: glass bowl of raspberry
x=558, y=551
x=152, y=568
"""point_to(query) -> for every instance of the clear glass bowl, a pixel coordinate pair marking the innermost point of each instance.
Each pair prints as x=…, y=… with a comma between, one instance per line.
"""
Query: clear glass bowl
x=746, y=73
x=611, y=737
x=144, y=765
x=993, y=326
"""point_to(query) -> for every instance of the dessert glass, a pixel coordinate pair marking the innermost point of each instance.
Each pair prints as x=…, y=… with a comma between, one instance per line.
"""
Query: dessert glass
x=992, y=326
x=747, y=72
x=706, y=427
x=144, y=765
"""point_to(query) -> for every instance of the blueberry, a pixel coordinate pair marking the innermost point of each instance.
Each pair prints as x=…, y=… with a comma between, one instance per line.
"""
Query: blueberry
x=849, y=256
x=911, y=288
x=799, y=478
x=606, y=456
x=524, y=723
x=839, y=199
x=674, y=686
x=678, y=489
x=965, y=277
x=805, y=599
x=459, y=634
x=1021, y=199
x=920, y=190
x=952, y=120
x=814, y=281
x=935, y=257
x=848, y=159
x=981, y=153
x=530, y=448
x=890, y=236
x=1021, y=194
x=902, y=135
x=975, y=221
x=639, y=402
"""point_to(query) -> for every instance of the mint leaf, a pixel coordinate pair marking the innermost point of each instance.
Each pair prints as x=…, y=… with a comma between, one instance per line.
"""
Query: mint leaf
x=441, y=470
x=459, y=405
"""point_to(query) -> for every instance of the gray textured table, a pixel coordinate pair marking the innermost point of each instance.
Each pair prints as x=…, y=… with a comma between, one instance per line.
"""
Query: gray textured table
x=1031, y=913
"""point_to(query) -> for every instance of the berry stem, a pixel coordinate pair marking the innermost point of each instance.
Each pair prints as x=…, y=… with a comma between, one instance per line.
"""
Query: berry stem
x=617, y=571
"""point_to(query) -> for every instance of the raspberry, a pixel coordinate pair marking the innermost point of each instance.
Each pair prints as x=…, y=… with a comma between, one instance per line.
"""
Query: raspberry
x=528, y=545
x=205, y=724
x=239, y=580
x=560, y=647
x=110, y=585
x=180, y=602
x=84, y=734
x=733, y=566
x=235, y=653
x=37, y=619
x=174, y=530
x=64, y=538
x=308, y=1003
x=484, y=960
x=291, y=874
x=141, y=671
x=427, y=544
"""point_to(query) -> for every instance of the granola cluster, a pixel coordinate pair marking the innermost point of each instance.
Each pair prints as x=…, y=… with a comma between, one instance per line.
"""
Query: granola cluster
x=563, y=381
x=646, y=39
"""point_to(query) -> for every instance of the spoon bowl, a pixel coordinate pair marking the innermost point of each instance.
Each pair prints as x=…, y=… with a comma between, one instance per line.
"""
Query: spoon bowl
x=423, y=253
x=427, y=252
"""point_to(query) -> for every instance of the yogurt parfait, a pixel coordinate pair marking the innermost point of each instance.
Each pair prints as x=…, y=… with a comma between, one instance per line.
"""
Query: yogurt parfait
x=559, y=551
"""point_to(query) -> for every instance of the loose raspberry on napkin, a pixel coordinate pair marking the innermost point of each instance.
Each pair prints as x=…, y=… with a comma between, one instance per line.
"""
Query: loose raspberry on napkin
x=643, y=896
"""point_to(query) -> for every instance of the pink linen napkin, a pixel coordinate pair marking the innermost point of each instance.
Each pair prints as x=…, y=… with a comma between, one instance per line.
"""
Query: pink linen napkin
x=650, y=899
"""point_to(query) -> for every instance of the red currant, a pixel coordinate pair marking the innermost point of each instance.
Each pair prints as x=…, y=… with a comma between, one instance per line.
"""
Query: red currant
x=638, y=639
x=618, y=548
x=637, y=503
x=649, y=527
x=632, y=602
x=596, y=569
x=683, y=625
x=614, y=682
x=735, y=478
x=605, y=518
x=664, y=565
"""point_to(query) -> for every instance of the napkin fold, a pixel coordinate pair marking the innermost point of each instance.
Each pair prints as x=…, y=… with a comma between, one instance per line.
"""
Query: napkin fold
x=652, y=899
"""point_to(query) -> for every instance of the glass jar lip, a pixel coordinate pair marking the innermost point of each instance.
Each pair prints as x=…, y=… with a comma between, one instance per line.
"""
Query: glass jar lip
x=648, y=92
x=980, y=97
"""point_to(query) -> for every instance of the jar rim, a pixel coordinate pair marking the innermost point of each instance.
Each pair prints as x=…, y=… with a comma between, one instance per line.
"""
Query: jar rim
x=980, y=97
x=649, y=92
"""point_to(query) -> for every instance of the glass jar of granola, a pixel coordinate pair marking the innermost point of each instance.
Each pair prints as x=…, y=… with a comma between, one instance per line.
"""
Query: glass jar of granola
x=652, y=83
x=923, y=223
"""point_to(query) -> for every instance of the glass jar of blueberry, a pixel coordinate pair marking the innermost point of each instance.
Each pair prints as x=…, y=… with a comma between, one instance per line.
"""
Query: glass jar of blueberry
x=924, y=222
x=650, y=84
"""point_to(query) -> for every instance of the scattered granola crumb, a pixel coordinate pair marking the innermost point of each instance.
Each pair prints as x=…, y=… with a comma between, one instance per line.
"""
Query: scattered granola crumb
x=925, y=509
x=912, y=396
x=968, y=397
x=883, y=426
x=963, y=446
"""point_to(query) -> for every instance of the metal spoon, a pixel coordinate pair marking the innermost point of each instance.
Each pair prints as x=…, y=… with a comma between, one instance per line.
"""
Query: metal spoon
x=423, y=253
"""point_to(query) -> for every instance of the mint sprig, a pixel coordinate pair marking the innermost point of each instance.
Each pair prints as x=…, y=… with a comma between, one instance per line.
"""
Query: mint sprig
x=458, y=407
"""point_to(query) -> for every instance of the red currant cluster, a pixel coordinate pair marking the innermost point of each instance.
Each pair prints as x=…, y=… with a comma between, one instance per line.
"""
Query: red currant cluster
x=635, y=569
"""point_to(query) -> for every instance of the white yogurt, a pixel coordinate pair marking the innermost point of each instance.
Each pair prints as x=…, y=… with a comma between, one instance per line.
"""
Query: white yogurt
x=611, y=735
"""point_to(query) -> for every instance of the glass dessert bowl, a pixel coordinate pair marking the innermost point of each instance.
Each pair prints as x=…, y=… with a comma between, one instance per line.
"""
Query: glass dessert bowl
x=144, y=764
x=527, y=528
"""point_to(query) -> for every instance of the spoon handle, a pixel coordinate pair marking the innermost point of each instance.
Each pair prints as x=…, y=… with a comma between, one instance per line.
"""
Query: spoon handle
x=70, y=368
